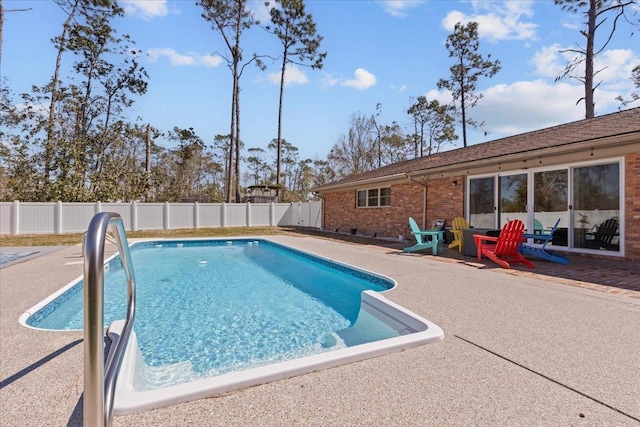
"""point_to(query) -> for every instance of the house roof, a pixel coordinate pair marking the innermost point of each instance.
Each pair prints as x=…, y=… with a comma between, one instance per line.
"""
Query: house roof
x=612, y=127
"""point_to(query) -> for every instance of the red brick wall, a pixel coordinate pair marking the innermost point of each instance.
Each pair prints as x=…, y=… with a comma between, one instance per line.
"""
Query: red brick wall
x=340, y=211
x=632, y=206
x=444, y=200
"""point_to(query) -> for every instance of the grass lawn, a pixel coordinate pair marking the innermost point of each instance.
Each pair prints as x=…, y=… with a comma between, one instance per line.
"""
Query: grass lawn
x=76, y=238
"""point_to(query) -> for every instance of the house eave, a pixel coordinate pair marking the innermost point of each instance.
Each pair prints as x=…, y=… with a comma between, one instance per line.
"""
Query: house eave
x=363, y=183
x=610, y=146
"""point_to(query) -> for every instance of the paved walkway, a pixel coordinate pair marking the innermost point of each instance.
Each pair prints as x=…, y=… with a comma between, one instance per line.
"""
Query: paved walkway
x=604, y=274
x=519, y=350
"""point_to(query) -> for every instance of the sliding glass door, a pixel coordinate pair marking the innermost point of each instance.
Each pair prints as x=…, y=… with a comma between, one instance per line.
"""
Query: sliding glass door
x=596, y=207
x=481, y=202
x=513, y=198
x=584, y=200
x=551, y=203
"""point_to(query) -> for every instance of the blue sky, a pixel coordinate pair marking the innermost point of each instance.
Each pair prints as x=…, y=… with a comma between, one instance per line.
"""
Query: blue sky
x=378, y=52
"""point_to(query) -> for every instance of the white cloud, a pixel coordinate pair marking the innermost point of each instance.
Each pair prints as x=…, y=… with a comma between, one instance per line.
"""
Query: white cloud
x=329, y=80
x=616, y=64
x=210, y=61
x=145, y=9
x=548, y=61
x=181, y=60
x=363, y=80
x=613, y=68
x=260, y=11
x=528, y=105
x=292, y=75
x=497, y=20
x=525, y=106
x=399, y=8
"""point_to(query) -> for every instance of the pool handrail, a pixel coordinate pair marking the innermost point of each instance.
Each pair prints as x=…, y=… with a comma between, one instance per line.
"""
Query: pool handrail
x=100, y=376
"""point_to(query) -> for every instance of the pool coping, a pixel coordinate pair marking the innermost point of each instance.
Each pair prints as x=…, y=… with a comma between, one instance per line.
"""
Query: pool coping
x=419, y=331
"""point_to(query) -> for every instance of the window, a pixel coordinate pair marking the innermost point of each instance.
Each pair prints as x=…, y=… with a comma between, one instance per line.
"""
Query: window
x=373, y=197
x=481, y=202
x=385, y=196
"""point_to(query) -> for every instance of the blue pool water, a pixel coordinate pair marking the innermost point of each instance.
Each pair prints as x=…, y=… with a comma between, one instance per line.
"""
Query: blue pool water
x=205, y=308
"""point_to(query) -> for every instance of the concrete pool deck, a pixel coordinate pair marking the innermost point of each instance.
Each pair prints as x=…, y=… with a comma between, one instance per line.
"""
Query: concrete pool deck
x=518, y=350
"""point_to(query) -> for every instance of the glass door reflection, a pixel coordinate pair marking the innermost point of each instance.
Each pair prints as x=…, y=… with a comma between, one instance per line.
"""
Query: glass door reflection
x=513, y=198
x=551, y=202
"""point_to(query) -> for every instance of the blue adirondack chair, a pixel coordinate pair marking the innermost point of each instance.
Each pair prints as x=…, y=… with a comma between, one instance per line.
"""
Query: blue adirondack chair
x=434, y=243
x=541, y=251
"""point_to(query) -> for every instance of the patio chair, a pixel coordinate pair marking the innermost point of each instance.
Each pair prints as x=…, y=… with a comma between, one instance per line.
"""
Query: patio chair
x=541, y=251
x=457, y=226
x=434, y=243
x=538, y=228
x=503, y=249
x=604, y=234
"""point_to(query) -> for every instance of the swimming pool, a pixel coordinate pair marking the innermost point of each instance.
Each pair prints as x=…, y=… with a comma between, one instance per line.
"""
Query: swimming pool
x=218, y=315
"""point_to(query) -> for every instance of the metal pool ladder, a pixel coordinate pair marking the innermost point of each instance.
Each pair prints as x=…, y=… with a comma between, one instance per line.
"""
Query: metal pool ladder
x=100, y=376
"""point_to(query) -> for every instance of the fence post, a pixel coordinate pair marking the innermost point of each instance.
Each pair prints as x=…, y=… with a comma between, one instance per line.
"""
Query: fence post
x=165, y=217
x=223, y=214
x=97, y=208
x=248, y=218
x=272, y=213
x=291, y=215
x=57, y=218
x=134, y=215
x=196, y=215
x=15, y=218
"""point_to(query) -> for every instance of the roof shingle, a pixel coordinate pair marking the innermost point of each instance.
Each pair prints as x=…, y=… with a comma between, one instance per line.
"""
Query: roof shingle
x=606, y=126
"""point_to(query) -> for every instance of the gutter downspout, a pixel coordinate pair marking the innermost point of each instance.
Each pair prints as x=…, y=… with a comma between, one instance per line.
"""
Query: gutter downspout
x=425, y=184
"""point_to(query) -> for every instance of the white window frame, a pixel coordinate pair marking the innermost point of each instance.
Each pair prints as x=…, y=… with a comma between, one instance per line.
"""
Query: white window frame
x=379, y=197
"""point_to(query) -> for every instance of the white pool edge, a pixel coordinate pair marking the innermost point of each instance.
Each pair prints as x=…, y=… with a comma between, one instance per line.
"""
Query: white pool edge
x=419, y=331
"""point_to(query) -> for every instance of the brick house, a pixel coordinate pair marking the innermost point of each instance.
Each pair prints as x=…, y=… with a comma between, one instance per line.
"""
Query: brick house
x=583, y=173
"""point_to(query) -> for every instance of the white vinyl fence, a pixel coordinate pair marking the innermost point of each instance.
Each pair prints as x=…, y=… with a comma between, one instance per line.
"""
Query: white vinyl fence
x=57, y=218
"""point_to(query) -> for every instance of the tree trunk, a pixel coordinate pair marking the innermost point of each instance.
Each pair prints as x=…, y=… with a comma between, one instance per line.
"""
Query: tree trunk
x=147, y=165
x=588, y=66
x=237, y=162
x=232, y=136
x=279, y=149
x=463, y=109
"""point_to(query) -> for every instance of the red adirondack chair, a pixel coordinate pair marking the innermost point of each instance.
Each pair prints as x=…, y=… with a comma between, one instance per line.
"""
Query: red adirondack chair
x=503, y=249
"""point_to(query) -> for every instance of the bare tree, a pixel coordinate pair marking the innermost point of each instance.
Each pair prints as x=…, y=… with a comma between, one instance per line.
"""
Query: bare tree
x=596, y=13
x=436, y=120
x=354, y=152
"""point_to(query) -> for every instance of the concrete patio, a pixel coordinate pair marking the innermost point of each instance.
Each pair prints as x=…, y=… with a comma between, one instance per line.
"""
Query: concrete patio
x=520, y=348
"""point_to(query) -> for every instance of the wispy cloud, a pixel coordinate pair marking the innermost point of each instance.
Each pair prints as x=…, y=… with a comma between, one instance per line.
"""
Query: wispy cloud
x=399, y=8
x=506, y=20
x=613, y=68
x=260, y=11
x=363, y=80
x=292, y=75
x=329, y=80
x=145, y=9
x=181, y=60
